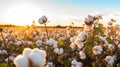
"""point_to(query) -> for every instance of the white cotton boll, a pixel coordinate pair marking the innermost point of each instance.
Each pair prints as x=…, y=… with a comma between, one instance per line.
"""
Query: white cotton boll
x=56, y=50
x=74, y=62
x=21, y=61
x=110, y=60
x=82, y=55
x=50, y=41
x=40, y=52
x=18, y=43
x=72, y=45
x=36, y=59
x=117, y=26
x=81, y=45
x=35, y=33
x=43, y=54
x=63, y=38
x=68, y=33
x=61, y=51
x=42, y=20
x=111, y=46
x=38, y=43
x=77, y=41
x=11, y=58
x=4, y=51
x=36, y=50
x=82, y=36
x=78, y=64
x=103, y=39
x=29, y=43
x=73, y=66
x=97, y=50
x=118, y=45
x=26, y=52
x=49, y=64
x=55, y=45
x=90, y=18
x=72, y=39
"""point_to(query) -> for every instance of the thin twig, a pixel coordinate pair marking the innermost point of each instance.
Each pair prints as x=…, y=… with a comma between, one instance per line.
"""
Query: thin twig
x=46, y=31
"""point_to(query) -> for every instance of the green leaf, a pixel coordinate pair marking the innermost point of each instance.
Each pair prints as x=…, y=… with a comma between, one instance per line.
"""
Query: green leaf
x=33, y=45
x=66, y=63
x=60, y=56
x=11, y=48
x=109, y=40
x=60, y=42
x=99, y=29
x=88, y=49
x=89, y=40
x=100, y=26
x=3, y=65
x=93, y=64
x=118, y=65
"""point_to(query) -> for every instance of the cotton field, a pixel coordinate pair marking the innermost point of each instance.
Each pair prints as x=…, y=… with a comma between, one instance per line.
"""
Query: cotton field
x=91, y=46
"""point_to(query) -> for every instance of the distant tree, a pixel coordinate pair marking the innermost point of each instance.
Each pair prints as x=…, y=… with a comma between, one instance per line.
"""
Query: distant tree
x=59, y=26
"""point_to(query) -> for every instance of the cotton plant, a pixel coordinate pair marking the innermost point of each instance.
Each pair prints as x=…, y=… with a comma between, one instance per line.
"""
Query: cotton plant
x=31, y=57
x=43, y=20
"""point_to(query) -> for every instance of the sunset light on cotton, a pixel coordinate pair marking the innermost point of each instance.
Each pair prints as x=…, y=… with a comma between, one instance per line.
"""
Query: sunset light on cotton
x=59, y=12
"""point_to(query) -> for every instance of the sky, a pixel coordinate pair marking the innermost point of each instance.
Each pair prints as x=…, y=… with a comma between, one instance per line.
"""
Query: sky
x=58, y=12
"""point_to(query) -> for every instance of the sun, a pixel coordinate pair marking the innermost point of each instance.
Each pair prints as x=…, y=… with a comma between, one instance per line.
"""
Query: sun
x=22, y=14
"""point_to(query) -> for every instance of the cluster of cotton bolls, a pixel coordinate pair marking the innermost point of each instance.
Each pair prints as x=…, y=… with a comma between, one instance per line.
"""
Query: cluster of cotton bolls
x=78, y=40
x=110, y=60
x=97, y=50
x=31, y=57
x=52, y=42
x=3, y=52
x=11, y=58
x=82, y=55
x=58, y=51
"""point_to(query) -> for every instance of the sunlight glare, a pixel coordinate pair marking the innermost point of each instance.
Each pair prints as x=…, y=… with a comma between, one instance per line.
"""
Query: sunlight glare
x=22, y=14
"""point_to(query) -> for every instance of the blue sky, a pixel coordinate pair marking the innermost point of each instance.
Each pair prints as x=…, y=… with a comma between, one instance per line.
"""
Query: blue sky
x=59, y=12
x=91, y=3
